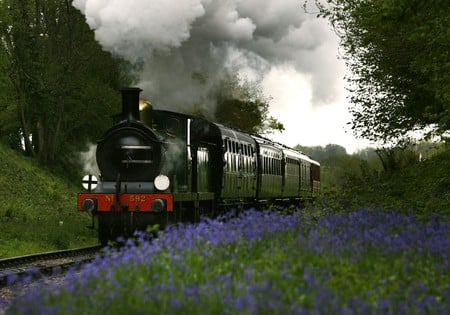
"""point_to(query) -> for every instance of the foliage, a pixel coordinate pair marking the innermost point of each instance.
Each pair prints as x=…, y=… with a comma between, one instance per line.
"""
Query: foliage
x=37, y=209
x=396, y=158
x=365, y=262
x=339, y=168
x=321, y=153
x=397, y=54
x=407, y=153
x=60, y=87
x=420, y=187
x=241, y=104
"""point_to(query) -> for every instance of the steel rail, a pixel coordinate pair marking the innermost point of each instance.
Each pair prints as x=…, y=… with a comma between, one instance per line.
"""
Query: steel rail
x=43, y=263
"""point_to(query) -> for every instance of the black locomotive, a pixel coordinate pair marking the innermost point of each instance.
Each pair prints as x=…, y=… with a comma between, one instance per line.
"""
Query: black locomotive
x=160, y=167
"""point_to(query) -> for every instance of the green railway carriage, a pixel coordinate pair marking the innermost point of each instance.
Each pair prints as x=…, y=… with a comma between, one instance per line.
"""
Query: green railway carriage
x=211, y=164
x=301, y=177
x=239, y=166
x=292, y=172
x=270, y=176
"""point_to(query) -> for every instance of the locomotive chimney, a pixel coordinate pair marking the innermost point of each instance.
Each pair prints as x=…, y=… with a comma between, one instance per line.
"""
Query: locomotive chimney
x=130, y=103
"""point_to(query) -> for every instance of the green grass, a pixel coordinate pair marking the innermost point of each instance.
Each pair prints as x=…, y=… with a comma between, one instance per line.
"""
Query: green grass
x=420, y=189
x=37, y=209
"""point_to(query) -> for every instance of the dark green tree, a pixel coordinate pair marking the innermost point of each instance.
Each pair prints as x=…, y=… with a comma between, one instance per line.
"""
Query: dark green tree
x=241, y=104
x=9, y=124
x=397, y=53
x=321, y=153
x=63, y=87
x=339, y=169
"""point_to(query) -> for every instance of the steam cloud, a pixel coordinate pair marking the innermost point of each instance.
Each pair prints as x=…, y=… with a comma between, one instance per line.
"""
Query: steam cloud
x=88, y=159
x=184, y=46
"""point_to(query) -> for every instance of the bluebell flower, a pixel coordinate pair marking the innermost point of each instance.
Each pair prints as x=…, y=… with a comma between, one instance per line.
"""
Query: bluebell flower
x=254, y=262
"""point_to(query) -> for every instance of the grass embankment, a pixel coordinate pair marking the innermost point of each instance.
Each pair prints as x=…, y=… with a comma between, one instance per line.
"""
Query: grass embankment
x=421, y=189
x=37, y=209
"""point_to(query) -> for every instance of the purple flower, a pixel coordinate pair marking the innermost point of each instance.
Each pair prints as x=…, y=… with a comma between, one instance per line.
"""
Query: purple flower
x=260, y=262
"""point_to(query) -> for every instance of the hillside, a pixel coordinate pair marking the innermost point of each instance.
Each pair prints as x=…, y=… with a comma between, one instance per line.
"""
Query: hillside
x=37, y=209
x=422, y=189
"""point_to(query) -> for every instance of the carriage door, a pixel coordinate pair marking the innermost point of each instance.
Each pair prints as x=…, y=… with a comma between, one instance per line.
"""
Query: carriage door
x=203, y=169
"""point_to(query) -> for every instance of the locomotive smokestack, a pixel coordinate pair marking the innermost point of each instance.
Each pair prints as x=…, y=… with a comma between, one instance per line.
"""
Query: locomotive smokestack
x=130, y=103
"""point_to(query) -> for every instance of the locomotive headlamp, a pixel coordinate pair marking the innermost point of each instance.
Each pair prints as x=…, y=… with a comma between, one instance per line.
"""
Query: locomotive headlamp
x=89, y=204
x=162, y=182
x=158, y=205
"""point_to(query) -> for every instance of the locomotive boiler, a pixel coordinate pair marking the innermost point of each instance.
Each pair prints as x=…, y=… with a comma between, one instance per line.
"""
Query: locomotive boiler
x=162, y=167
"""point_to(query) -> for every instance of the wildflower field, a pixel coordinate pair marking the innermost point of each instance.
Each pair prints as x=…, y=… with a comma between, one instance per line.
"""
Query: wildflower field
x=368, y=261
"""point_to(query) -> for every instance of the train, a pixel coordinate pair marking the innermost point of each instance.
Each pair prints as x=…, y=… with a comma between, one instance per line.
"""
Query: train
x=160, y=167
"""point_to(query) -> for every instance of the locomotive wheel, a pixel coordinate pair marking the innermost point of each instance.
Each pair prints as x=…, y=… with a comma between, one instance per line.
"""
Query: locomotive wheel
x=104, y=231
x=108, y=229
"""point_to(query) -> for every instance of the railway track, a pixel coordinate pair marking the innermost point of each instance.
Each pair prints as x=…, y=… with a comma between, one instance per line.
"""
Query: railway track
x=44, y=263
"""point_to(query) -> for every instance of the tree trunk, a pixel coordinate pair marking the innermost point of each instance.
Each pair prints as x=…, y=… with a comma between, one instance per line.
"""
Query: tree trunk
x=42, y=154
x=28, y=147
x=57, y=132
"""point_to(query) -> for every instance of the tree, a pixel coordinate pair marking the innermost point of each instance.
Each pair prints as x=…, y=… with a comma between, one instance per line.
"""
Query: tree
x=63, y=85
x=9, y=124
x=241, y=104
x=338, y=169
x=397, y=55
x=320, y=153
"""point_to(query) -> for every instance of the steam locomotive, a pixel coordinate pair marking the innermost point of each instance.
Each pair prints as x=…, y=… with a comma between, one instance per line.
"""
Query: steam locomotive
x=162, y=167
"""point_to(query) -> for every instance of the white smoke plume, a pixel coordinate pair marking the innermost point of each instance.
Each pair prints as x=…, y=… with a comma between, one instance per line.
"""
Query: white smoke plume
x=89, y=161
x=184, y=46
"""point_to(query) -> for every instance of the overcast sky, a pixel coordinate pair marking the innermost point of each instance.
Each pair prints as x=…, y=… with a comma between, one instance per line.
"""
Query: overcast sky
x=291, y=54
